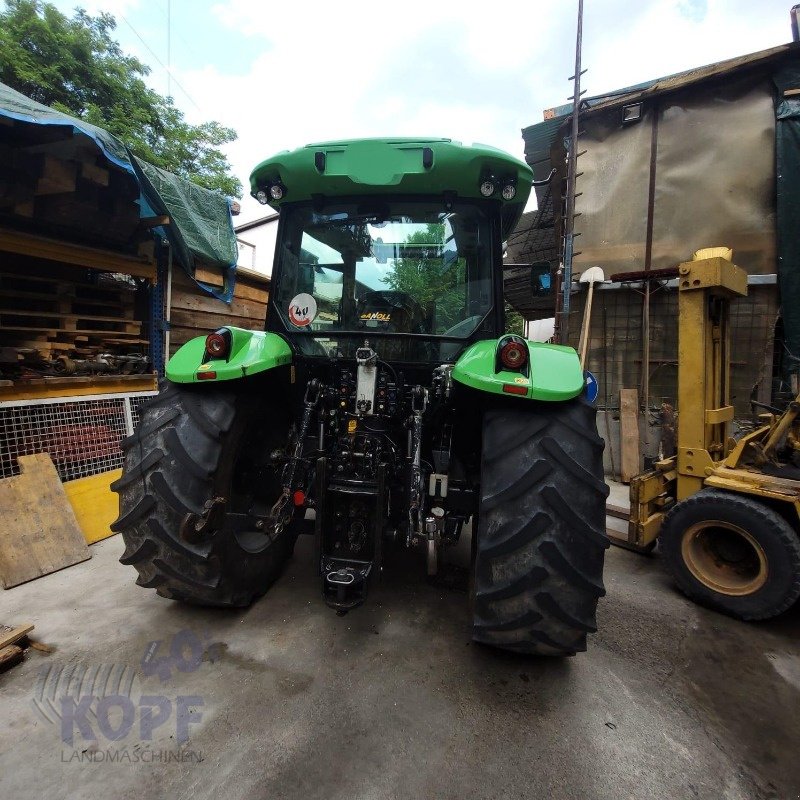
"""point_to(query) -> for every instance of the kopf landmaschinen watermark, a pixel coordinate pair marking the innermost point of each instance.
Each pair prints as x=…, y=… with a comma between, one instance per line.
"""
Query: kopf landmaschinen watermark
x=99, y=710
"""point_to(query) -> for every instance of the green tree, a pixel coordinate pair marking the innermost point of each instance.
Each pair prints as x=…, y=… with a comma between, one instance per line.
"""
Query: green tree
x=75, y=66
x=428, y=280
x=515, y=322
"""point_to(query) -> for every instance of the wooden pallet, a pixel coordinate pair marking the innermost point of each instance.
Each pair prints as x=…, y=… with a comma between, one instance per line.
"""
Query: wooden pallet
x=11, y=639
x=48, y=312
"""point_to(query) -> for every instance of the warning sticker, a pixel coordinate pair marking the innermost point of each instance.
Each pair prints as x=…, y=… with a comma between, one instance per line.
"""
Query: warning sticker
x=302, y=310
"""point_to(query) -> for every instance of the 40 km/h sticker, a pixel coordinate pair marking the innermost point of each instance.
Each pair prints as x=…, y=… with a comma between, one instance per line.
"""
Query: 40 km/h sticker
x=302, y=310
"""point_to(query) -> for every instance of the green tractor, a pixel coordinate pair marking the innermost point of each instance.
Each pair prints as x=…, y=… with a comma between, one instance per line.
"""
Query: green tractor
x=383, y=407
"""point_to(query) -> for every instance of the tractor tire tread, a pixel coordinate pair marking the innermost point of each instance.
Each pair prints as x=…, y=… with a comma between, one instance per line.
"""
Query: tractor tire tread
x=183, y=443
x=538, y=570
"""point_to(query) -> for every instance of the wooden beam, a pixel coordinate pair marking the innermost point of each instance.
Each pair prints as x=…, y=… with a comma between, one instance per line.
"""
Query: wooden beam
x=76, y=254
x=10, y=655
x=94, y=174
x=58, y=177
x=41, y=388
x=13, y=635
x=629, y=433
x=154, y=222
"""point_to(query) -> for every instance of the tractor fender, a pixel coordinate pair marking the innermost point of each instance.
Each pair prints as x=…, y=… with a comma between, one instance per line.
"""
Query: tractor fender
x=553, y=372
x=250, y=352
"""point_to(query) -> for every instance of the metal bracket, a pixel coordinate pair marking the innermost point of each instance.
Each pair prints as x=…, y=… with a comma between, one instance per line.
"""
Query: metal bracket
x=437, y=485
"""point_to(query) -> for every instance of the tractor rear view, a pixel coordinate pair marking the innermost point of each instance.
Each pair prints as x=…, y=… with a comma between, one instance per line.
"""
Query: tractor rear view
x=382, y=408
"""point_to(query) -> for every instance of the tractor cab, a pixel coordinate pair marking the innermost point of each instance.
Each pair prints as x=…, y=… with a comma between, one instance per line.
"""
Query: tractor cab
x=413, y=264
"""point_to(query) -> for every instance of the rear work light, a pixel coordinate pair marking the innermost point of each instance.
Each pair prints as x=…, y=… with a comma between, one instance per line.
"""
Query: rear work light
x=218, y=344
x=514, y=355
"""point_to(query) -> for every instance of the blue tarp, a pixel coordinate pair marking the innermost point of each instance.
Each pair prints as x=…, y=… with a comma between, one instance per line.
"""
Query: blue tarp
x=200, y=220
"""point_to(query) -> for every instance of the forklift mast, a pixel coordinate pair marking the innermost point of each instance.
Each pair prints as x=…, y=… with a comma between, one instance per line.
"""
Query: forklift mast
x=705, y=289
x=706, y=286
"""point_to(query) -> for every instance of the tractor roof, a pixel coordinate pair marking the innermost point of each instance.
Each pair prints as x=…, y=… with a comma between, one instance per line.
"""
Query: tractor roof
x=407, y=166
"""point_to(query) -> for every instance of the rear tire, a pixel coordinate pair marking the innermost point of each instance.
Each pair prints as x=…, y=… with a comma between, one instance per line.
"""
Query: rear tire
x=733, y=554
x=541, y=540
x=186, y=450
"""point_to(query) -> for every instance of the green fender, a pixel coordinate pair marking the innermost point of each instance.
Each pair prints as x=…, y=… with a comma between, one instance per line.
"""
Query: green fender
x=251, y=352
x=555, y=372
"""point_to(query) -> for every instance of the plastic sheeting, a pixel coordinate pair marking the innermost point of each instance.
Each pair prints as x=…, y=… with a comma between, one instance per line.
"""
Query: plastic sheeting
x=201, y=221
x=714, y=180
x=787, y=145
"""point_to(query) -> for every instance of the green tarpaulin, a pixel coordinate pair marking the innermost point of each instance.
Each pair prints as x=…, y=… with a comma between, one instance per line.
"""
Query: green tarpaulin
x=787, y=153
x=200, y=220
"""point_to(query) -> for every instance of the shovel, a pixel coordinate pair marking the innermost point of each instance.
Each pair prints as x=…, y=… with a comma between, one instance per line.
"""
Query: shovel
x=591, y=276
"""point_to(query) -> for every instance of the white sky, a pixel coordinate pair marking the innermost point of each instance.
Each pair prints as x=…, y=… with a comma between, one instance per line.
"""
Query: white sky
x=284, y=74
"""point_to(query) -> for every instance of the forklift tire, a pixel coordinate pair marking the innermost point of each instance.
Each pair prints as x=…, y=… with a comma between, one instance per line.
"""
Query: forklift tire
x=540, y=539
x=732, y=553
x=183, y=454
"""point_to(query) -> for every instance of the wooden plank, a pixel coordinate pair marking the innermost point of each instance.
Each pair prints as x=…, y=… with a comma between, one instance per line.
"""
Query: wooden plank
x=57, y=177
x=10, y=655
x=629, y=433
x=154, y=222
x=10, y=635
x=200, y=321
x=40, y=533
x=62, y=299
x=243, y=289
x=180, y=292
x=78, y=386
x=66, y=291
x=94, y=174
x=94, y=504
x=239, y=307
x=41, y=646
x=617, y=511
x=133, y=329
x=68, y=253
x=70, y=315
x=179, y=335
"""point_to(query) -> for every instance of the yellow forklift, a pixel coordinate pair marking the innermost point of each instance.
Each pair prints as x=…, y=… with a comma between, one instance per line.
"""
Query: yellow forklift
x=726, y=512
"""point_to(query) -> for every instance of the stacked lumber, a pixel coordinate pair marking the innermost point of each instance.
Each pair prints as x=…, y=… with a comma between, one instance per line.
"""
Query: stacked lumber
x=60, y=184
x=56, y=320
x=195, y=313
x=67, y=216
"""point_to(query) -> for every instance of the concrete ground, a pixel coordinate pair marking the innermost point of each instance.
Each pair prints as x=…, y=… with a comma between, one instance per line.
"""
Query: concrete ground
x=393, y=700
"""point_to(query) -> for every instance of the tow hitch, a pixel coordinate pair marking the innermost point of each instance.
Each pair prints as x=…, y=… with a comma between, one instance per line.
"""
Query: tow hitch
x=345, y=584
x=348, y=529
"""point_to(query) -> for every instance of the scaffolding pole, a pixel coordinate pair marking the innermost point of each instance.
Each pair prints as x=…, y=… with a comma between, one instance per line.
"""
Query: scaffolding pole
x=568, y=250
